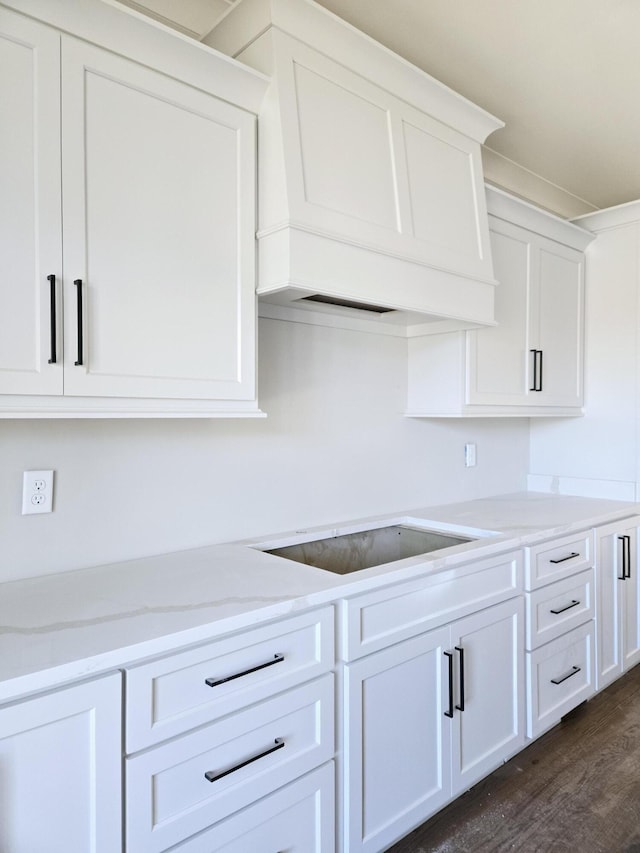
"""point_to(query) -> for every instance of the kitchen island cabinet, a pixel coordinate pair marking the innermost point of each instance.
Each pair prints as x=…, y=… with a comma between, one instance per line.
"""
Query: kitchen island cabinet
x=61, y=770
x=129, y=222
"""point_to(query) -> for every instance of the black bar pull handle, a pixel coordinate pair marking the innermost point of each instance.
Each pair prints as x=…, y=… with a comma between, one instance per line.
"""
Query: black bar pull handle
x=449, y=713
x=540, y=354
x=52, y=315
x=214, y=775
x=568, y=557
x=574, y=671
x=78, y=284
x=537, y=370
x=623, y=576
x=534, y=385
x=574, y=603
x=215, y=682
x=460, y=651
x=628, y=544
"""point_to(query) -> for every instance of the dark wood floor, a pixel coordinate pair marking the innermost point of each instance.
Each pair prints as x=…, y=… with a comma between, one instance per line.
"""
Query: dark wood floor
x=575, y=789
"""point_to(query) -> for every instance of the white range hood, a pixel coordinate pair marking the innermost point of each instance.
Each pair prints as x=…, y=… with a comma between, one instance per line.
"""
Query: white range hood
x=371, y=193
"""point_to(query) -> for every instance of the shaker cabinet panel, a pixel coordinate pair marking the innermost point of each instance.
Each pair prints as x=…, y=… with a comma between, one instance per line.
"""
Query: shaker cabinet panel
x=354, y=185
x=497, y=357
x=559, y=328
x=154, y=202
x=397, y=753
x=617, y=600
x=60, y=765
x=30, y=218
x=490, y=725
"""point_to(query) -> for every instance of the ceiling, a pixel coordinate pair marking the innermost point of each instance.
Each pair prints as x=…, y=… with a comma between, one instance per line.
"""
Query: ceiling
x=563, y=75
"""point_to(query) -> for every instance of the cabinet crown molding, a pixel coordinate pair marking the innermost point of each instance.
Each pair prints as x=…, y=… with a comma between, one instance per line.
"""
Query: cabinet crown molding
x=319, y=28
x=503, y=205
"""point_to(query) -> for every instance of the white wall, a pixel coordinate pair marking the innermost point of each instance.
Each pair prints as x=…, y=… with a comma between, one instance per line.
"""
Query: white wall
x=335, y=446
x=598, y=455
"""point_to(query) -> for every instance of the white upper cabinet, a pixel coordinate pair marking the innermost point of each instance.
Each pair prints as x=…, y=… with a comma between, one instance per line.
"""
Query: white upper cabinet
x=531, y=362
x=148, y=183
x=370, y=177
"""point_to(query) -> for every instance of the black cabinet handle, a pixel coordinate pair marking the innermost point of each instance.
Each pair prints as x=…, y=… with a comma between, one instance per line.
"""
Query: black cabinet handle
x=214, y=682
x=574, y=671
x=574, y=603
x=539, y=388
x=460, y=651
x=78, y=284
x=449, y=713
x=623, y=576
x=534, y=386
x=568, y=557
x=52, y=314
x=213, y=775
x=626, y=557
x=537, y=370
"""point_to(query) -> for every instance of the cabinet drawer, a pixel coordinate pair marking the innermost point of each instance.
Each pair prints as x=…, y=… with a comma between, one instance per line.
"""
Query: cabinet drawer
x=169, y=696
x=248, y=755
x=560, y=675
x=298, y=818
x=558, y=558
x=376, y=620
x=558, y=608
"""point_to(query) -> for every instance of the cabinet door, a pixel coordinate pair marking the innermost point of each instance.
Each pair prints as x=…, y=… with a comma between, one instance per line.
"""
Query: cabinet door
x=60, y=764
x=557, y=323
x=631, y=614
x=397, y=759
x=618, y=605
x=489, y=724
x=610, y=590
x=497, y=358
x=30, y=217
x=159, y=229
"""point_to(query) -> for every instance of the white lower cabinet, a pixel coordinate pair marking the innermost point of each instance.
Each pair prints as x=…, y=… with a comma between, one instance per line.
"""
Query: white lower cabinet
x=560, y=633
x=618, y=597
x=60, y=770
x=223, y=741
x=428, y=717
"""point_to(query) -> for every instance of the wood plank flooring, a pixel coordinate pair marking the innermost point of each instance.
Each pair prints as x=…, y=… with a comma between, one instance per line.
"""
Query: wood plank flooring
x=575, y=789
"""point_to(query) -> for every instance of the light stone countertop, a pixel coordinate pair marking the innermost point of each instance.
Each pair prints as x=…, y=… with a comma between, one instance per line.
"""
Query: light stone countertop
x=59, y=628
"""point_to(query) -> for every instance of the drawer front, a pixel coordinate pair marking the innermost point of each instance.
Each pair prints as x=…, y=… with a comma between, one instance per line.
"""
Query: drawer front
x=560, y=607
x=560, y=675
x=299, y=818
x=558, y=558
x=167, y=697
x=376, y=620
x=245, y=757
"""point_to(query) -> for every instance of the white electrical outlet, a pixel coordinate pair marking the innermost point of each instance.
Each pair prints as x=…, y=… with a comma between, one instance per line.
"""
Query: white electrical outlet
x=37, y=492
x=469, y=455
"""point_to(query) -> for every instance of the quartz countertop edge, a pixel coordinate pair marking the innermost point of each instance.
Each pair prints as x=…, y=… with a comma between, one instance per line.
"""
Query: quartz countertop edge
x=61, y=628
